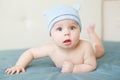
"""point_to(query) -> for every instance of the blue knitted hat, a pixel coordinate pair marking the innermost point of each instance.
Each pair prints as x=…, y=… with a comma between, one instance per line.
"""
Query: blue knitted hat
x=62, y=12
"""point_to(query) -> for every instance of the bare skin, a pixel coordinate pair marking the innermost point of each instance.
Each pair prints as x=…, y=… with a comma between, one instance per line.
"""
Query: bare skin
x=67, y=52
x=99, y=49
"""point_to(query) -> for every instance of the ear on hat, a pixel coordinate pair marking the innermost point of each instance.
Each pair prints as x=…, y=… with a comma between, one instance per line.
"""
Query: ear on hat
x=76, y=7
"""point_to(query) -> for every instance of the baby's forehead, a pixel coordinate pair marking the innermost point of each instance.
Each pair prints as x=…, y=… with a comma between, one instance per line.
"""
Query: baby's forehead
x=66, y=22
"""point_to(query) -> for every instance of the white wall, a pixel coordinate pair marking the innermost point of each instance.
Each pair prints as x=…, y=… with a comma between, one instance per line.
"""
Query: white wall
x=111, y=20
x=22, y=24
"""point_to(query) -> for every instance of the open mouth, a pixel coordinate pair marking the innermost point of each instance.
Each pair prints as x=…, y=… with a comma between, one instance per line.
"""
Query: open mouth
x=67, y=42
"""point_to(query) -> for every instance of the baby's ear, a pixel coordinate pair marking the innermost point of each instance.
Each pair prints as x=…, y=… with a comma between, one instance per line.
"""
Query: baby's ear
x=51, y=38
x=76, y=7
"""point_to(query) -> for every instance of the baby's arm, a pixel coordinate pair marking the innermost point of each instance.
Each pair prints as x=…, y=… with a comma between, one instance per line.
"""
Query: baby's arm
x=67, y=67
x=22, y=62
x=89, y=62
x=26, y=58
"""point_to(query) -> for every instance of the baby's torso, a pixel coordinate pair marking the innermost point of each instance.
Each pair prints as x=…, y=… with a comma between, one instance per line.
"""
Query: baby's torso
x=59, y=59
x=75, y=56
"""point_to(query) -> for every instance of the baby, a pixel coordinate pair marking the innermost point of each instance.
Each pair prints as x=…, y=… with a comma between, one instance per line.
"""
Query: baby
x=67, y=51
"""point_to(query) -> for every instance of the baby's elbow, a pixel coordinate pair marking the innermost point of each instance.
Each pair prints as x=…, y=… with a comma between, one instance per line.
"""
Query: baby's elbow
x=94, y=67
x=31, y=53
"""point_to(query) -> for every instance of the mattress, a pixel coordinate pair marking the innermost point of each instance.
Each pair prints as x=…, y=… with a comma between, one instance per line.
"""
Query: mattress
x=44, y=69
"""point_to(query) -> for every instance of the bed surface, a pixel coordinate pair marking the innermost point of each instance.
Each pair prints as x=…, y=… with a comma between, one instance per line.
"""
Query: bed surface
x=44, y=69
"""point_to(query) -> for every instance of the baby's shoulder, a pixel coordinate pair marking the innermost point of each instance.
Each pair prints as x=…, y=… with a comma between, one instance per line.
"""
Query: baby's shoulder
x=84, y=43
x=87, y=46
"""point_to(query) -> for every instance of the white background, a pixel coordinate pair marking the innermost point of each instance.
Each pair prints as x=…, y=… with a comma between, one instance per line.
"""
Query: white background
x=22, y=24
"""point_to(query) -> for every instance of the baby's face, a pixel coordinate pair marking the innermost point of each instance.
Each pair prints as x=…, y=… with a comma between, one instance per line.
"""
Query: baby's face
x=65, y=33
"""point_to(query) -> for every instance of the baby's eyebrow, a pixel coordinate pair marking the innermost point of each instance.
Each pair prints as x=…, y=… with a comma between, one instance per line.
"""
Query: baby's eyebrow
x=57, y=25
x=74, y=24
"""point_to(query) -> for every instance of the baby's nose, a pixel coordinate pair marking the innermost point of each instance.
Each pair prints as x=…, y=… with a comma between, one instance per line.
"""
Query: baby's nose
x=67, y=33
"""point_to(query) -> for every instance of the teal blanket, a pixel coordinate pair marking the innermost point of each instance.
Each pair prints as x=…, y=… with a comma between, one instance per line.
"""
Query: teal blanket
x=44, y=69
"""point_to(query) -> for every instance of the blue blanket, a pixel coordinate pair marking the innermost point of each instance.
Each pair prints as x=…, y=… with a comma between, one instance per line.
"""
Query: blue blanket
x=44, y=69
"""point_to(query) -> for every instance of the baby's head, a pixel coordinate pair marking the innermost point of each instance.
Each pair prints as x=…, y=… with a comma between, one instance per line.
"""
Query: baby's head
x=62, y=12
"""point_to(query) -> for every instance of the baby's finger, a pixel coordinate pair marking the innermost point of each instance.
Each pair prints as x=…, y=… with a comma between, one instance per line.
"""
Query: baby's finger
x=64, y=71
x=13, y=72
x=8, y=71
x=17, y=71
x=23, y=70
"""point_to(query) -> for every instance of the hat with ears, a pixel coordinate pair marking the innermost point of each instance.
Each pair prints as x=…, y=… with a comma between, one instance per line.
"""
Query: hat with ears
x=62, y=12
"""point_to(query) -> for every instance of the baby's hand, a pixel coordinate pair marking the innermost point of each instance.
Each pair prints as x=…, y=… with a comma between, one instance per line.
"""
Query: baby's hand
x=67, y=67
x=15, y=70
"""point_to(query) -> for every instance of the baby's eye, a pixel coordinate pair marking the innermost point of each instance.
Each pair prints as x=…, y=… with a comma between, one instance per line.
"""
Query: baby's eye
x=59, y=29
x=72, y=27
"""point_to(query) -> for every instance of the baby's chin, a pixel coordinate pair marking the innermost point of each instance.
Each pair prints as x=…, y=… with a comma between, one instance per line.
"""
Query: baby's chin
x=69, y=46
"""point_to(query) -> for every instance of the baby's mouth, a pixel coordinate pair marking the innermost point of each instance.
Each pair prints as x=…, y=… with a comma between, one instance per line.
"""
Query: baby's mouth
x=67, y=42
